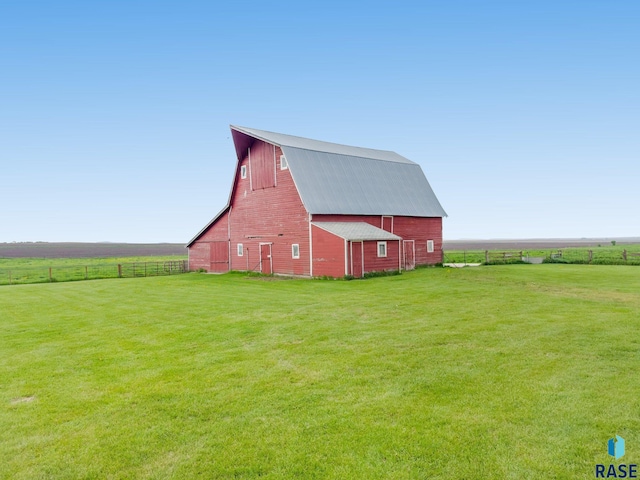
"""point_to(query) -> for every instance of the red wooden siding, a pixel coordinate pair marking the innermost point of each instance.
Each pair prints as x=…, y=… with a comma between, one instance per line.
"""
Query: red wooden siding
x=200, y=253
x=328, y=253
x=373, y=263
x=263, y=165
x=419, y=229
x=268, y=215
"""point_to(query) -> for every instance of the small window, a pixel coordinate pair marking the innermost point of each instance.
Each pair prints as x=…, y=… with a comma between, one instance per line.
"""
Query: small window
x=382, y=249
x=243, y=171
x=429, y=246
x=240, y=250
x=295, y=250
x=283, y=163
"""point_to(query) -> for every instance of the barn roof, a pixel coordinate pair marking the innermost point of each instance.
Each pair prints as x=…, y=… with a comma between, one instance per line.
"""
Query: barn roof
x=356, y=231
x=341, y=179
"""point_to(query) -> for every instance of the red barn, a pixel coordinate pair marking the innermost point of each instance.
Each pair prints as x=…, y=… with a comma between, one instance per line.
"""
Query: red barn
x=304, y=207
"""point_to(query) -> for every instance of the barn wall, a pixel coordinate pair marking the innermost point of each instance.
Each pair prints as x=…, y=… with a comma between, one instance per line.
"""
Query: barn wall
x=328, y=253
x=200, y=251
x=270, y=214
x=373, y=263
x=419, y=229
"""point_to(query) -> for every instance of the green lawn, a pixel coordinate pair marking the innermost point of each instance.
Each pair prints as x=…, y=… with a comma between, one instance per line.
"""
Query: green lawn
x=514, y=372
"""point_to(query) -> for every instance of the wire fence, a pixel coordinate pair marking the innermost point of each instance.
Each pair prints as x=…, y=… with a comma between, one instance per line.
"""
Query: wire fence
x=595, y=256
x=68, y=273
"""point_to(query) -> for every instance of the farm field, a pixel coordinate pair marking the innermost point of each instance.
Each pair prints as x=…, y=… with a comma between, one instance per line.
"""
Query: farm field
x=521, y=371
x=600, y=255
x=41, y=270
x=88, y=250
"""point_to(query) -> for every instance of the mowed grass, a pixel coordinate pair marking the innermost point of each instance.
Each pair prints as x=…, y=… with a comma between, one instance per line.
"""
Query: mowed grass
x=494, y=372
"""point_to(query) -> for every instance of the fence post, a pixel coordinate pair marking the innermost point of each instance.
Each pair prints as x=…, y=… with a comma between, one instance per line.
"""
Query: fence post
x=9, y=277
x=486, y=256
x=590, y=255
x=86, y=273
x=119, y=271
x=49, y=273
x=624, y=254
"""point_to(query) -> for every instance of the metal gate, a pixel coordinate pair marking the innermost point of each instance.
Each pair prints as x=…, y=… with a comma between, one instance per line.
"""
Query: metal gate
x=409, y=254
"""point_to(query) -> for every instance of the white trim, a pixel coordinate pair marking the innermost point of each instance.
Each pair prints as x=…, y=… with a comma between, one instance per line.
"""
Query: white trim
x=346, y=259
x=240, y=249
x=243, y=171
x=351, y=255
x=379, y=244
x=310, y=248
x=293, y=251
x=362, y=257
x=250, y=178
x=399, y=256
x=229, y=238
x=285, y=163
x=275, y=170
x=431, y=244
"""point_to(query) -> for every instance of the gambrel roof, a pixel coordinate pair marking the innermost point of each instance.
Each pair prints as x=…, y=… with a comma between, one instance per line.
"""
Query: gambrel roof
x=345, y=180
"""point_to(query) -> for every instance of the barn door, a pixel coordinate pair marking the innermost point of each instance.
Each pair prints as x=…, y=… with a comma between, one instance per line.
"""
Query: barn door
x=357, y=266
x=387, y=223
x=266, y=262
x=219, y=256
x=409, y=254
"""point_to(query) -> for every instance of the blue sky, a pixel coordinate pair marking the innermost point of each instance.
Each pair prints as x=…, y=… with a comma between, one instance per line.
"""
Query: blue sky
x=114, y=116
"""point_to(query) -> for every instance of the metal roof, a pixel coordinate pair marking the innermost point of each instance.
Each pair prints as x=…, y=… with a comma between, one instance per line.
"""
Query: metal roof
x=340, y=179
x=356, y=231
x=341, y=184
x=308, y=144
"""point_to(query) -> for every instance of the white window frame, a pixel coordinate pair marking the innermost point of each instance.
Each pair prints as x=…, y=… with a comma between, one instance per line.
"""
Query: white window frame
x=429, y=246
x=384, y=245
x=240, y=250
x=284, y=165
x=295, y=250
x=243, y=171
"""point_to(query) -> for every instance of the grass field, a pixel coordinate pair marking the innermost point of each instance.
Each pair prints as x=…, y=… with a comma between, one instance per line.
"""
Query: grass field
x=512, y=372
x=41, y=270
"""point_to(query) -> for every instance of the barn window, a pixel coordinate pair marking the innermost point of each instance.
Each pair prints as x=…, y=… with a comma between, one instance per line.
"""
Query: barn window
x=295, y=250
x=240, y=250
x=243, y=171
x=382, y=249
x=429, y=246
x=283, y=163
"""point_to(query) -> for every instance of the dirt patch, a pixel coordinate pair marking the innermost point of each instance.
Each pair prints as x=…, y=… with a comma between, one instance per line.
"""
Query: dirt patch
x=18, y=400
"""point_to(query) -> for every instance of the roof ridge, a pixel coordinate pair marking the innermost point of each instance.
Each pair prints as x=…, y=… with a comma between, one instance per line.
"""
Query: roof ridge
x=295, y=141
